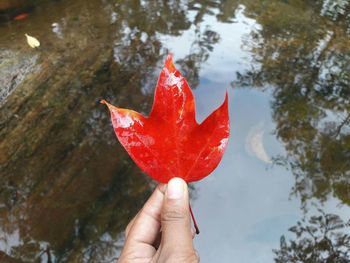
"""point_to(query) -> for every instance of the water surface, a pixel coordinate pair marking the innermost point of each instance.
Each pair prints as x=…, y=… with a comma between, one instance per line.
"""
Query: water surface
x=68, y=189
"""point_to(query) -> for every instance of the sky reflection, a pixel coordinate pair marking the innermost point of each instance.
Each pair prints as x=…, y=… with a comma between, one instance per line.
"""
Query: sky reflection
x=68, y=189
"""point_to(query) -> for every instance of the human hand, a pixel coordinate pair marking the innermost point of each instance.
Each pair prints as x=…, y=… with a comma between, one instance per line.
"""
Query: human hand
x=161, y=231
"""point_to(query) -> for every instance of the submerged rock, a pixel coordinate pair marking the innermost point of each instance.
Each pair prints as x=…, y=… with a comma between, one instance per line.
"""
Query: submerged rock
x=14, y=67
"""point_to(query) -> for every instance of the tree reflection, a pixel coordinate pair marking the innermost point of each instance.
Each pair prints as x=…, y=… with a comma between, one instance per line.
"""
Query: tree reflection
x=322, y=238
x=200, y=51
x=67, y=188
x=336, y=9
x=305, y=60
x=205, y=38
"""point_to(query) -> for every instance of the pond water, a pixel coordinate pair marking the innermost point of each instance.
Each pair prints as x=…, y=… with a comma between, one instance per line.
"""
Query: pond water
x=282, y=190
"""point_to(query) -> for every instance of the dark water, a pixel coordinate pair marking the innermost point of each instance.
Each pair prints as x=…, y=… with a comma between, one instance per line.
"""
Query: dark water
x=282, y=190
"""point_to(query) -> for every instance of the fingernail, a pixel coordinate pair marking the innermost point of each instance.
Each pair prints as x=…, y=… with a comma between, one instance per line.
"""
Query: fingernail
x=175, y=189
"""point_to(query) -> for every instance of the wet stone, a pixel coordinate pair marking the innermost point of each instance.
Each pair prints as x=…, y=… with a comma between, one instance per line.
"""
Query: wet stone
x=14, y=68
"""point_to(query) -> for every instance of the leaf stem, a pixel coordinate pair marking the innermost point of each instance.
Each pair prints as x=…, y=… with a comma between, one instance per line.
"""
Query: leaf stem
x=194, y=221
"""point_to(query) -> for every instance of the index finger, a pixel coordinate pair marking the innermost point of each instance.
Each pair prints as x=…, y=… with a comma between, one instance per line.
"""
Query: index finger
x=146, y=225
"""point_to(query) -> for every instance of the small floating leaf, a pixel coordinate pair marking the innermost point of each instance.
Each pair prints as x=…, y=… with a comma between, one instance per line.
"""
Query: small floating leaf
x=21, y=16
x=32, y=41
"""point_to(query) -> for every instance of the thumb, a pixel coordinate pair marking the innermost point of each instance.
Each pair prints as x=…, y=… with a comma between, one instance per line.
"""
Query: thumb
x=175, y=218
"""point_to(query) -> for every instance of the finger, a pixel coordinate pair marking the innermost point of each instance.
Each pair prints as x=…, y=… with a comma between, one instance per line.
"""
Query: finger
x=193, y=232
x=159, y=237
x=131, y=223
x=161, y=187
x=146, y=225
x=175, y=218
x=156, y=243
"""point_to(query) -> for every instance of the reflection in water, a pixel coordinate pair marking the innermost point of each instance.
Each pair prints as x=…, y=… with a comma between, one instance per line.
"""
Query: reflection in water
x=335, y=9
x=67, y=187
x=200, y=49
x=61, y=196
x=254, y=143
x=308, y=68
x=323, y=238
x=68, y=190
x=308, y=71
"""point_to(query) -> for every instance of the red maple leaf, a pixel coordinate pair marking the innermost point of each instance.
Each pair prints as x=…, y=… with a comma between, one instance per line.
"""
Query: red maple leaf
x=169, y=142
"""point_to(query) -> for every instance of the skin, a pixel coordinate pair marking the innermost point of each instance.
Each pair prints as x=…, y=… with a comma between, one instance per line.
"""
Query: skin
x=161, y=231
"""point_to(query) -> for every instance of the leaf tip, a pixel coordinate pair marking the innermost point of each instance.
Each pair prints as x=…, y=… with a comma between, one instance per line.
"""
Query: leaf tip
x=169, y=64
x=103, y=102
x=111, y=107
x=225, y=103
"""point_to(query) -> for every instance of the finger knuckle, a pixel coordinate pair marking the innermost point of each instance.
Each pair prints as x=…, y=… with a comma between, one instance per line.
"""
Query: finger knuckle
x=132, y=257
x=174, y=214
x=192, y=258
x=189, y=257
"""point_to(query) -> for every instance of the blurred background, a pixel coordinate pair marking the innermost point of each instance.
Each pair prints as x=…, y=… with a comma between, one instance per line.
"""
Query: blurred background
x=282, y=190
